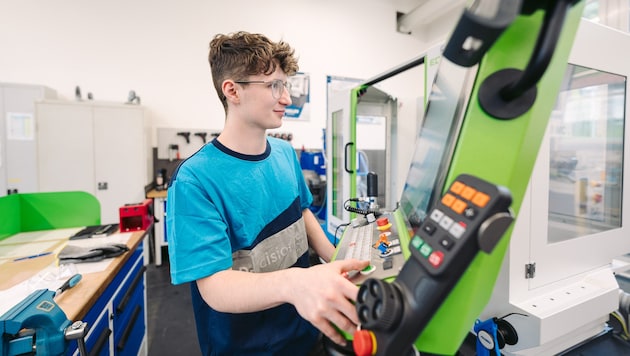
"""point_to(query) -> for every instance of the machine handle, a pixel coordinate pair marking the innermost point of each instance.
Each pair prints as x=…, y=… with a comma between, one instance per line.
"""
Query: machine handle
x=345, y=158
x=102, y=340
x=128, y=329
x=503, y=97
x=545, y=46
x=130, y=290
x=475, y=34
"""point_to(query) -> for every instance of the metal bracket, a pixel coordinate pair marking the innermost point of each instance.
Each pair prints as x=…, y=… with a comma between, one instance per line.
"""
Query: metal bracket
x=530, y=270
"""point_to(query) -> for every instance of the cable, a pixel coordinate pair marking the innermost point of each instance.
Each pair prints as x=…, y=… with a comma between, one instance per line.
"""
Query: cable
x=346, y=205
x=625, y=334
x=336, y=231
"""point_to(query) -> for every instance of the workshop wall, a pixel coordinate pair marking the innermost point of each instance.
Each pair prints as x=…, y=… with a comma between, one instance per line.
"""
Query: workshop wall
x=159, y=50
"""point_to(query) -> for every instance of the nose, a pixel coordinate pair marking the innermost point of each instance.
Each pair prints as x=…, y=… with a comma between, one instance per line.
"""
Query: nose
x=285, y=98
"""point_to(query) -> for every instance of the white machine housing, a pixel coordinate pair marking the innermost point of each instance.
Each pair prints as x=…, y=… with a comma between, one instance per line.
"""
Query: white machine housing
x=558, y=292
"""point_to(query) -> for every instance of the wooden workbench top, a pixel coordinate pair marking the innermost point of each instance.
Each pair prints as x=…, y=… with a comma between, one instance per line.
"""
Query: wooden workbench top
x=77, y=301
x=156, y=193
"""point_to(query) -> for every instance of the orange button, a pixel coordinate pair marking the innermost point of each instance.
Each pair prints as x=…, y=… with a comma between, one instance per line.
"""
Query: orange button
x=481, y=199
x=468, y=193
x=457, y=187
x=459, y=206
x=364, y=343
x=448, y=199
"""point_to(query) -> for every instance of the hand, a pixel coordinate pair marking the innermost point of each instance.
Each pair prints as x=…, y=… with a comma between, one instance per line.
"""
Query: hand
x=323, y=296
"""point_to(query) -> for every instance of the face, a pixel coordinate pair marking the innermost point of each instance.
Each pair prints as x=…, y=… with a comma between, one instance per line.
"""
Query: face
x=258, y=107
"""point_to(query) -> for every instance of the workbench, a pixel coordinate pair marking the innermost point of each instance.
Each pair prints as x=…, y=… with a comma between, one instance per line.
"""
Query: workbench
x=159, y=228
x=112, y=300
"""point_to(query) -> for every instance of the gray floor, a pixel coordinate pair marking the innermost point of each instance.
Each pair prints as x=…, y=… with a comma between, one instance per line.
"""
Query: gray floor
x=171, y=325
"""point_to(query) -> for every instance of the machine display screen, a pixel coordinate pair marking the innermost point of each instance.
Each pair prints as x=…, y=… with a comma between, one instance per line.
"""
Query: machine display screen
x=435, y=141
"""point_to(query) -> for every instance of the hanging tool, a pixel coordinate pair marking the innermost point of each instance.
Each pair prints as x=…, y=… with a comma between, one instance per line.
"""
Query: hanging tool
x=202, y=135
x=185, y=135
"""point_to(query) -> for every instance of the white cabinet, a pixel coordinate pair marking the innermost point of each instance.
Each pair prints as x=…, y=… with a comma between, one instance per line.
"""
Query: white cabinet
x=18, y=146
x=100, y=148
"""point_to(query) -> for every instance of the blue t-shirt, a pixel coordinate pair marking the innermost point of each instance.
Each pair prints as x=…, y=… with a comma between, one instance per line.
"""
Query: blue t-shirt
x=227, y=210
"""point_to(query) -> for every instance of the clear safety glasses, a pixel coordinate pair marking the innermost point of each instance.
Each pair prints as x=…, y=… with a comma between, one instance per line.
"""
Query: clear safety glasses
x=277, y=86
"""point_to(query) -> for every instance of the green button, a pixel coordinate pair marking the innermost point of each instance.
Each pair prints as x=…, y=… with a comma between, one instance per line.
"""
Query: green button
x=426, y=250
x=416, y=242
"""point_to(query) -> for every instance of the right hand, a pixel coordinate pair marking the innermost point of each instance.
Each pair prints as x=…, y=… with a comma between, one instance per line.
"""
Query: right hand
x=323, y=296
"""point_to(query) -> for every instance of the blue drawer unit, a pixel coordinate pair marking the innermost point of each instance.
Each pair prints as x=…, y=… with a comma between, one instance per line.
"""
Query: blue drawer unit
x=129, y=313
x=117, y=320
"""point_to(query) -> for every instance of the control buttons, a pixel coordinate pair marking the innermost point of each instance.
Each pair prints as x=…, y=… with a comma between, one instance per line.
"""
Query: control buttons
x=368, y=270
x=416, y=242
x=436, y=258
x=425, y=250
x=457, y=230
x=458, y=206
x=447, y=243
x=383, y=224
x=468, y=193
x=457, y=187
x=436, y=215
x=448, y=199
x=446, y=222
x=364, y=343
x=429, y=228
x=470, y=213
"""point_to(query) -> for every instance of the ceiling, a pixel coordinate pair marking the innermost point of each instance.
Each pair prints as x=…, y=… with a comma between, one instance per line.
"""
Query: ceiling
x=427, y=19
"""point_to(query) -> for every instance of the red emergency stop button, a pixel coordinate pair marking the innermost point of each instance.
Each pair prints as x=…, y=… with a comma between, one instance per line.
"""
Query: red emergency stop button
x=383, y=224
x=364, y=343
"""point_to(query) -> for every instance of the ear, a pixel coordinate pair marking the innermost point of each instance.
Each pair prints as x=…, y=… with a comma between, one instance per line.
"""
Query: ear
x=230, y=91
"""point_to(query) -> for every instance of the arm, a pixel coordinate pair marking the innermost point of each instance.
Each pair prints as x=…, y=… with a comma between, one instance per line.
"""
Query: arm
x=320, y=294
x=317, y=237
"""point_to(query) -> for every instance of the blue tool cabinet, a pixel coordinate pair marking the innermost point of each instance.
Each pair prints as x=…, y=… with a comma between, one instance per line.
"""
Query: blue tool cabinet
x=117, y=321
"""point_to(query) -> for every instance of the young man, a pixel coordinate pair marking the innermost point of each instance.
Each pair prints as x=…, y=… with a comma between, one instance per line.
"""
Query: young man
x=239, y=224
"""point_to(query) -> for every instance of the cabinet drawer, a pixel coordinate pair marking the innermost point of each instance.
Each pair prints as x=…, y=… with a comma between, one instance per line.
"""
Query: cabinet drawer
x=129, y=333
x=97, y=339
x=122, y=303
x=124, y=299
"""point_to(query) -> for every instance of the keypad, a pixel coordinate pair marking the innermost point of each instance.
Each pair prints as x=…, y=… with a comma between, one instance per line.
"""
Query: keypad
x=447, y=223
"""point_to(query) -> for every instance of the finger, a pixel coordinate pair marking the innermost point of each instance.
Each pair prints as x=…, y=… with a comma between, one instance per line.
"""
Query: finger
x=353, y=264
x=332, y=333
x=349, y=312
x=342, y=323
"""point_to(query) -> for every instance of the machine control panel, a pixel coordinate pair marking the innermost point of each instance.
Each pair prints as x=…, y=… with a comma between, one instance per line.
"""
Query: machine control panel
x=376, y=240
x=470, y=217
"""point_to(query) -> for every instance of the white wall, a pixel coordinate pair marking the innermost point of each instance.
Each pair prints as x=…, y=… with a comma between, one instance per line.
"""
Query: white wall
x=159, y=49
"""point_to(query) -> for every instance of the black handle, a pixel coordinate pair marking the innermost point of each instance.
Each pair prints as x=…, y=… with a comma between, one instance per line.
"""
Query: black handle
x=103, y=339
x=545, y=46
x=506, y=98
x=125, y=335
x=345, y=158
x=120, y=307
x=474, y=34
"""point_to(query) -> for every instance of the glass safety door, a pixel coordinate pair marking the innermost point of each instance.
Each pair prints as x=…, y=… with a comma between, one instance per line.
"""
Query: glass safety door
x=578, y=222
x=340, y=168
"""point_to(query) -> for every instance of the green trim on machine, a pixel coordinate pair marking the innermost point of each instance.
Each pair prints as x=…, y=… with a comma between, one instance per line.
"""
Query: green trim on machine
x=354, y=100
x=511, y=168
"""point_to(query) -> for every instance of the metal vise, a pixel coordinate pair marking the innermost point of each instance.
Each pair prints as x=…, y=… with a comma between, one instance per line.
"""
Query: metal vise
x=38, y=325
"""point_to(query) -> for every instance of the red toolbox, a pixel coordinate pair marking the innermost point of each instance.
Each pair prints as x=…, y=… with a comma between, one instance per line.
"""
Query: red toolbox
x=138, y=216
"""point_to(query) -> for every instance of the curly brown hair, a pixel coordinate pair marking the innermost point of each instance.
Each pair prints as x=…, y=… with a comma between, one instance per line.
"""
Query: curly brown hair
x=242, y=54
